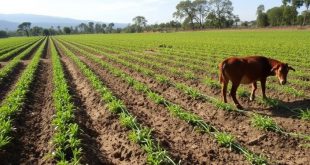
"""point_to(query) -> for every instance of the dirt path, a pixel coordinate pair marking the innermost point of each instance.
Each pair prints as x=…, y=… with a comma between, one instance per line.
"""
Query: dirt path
x=33, y=125
x=104, y=140
x=176, y=136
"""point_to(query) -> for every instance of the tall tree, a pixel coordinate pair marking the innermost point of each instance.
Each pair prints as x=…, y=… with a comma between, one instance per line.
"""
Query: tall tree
x=83, y=27
x=110, y=27
x=3, y=34
x=59, y=29
x=262, y=18
x=223, y=11
x=139, y=23
x=67, y=30
x=25, y=27
x=36, y=31
x=91, y=27
x=98, y=28
x=275, y=16
x=289, y=15
x=307, y=12
x=201, y=11
x=187, y=11
x=104, y=26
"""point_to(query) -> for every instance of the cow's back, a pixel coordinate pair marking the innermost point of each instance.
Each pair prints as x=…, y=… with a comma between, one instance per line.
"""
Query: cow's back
x=247, y=69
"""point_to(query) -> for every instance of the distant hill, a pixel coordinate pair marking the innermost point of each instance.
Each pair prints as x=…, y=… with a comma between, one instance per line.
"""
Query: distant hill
x=11, y=21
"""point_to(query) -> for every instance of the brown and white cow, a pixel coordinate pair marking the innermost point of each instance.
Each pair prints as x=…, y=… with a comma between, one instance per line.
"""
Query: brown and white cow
x=249, y=70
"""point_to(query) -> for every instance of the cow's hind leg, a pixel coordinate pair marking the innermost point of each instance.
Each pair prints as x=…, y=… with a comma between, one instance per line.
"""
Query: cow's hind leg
x=233, y=92
x=224, y=91
x=254, y=87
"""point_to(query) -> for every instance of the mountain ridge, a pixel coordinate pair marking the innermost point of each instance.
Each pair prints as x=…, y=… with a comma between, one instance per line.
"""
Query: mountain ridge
x=9, y=22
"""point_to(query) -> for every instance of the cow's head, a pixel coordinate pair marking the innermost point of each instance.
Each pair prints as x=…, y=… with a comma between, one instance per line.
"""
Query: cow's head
x=281, y=71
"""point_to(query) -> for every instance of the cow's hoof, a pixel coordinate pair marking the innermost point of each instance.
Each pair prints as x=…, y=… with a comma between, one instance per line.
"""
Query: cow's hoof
x=252, y=98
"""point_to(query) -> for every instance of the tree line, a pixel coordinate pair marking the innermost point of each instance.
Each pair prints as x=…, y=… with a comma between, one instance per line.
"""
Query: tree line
x=284, y=15
x=25, y=29
x=189, y=15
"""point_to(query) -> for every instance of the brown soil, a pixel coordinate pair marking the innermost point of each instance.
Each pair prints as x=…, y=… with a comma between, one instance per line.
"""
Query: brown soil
x=104, y=140
x=176, y=136
x=30, y=144
x=277, y=147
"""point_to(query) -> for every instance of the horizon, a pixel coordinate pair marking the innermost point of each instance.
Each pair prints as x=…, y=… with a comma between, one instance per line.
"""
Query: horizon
x=155, y=11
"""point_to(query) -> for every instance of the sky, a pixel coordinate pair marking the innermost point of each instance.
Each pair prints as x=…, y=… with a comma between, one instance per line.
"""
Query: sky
x=119, y=11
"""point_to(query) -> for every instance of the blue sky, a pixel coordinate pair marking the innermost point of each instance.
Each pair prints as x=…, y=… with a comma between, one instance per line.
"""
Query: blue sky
x=121, y=11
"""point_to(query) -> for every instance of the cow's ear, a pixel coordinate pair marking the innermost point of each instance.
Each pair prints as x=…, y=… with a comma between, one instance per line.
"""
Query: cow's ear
x=291, y=68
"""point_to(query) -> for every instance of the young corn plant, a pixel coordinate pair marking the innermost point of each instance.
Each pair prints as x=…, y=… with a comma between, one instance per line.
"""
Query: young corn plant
x=224, y=139
x=304, y=114
x=212, y=83
x=265, y=123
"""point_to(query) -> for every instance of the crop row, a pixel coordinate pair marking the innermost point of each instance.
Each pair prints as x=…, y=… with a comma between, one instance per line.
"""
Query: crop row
x=222, y=138
x=186, y=73
x=11, y=44
x=66, y=143
x=210, y=52
x=15, y=100
x=8, y=68
x=13, y=52
x=194, y=92
x=262, y=122
x=139, y=134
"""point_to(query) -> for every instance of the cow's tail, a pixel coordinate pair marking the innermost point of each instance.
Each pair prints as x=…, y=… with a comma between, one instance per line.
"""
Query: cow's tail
x=222, y=72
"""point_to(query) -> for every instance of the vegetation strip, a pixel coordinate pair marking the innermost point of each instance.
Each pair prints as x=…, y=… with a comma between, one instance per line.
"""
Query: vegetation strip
x=195, y=94
x=13, y=47
x=7, y=69
x=274, y=103
x=67, y=145
x=139, y=134
x=15, y=51
x=15, y=100
x=222, y=138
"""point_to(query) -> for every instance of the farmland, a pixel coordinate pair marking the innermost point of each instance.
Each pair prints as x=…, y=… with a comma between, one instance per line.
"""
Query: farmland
x=151, y=98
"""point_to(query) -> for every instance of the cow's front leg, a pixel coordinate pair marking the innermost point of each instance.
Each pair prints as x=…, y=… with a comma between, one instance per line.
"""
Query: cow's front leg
x=263, y=84
x=254, y=87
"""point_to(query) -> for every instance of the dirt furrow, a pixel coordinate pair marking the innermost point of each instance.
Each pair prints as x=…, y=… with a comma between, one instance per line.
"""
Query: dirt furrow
x=104, y=141
x=179, y=138
x=269, y=143
x=33, y=124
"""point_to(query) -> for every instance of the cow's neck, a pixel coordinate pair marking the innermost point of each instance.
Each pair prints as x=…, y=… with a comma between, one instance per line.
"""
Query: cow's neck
x=272, y=63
